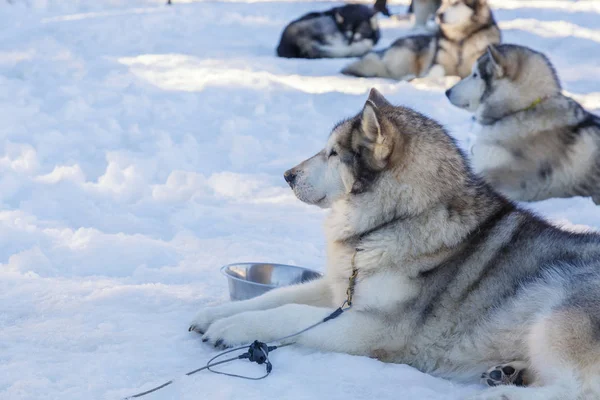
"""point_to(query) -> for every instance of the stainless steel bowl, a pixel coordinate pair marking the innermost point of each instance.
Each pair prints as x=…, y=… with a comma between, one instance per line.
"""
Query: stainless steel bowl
x=248, y=280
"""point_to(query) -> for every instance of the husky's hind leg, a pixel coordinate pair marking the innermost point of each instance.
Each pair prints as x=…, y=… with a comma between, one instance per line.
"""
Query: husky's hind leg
x=397, y=62
x=564, y=351
x=513, y=373
x=370, y=66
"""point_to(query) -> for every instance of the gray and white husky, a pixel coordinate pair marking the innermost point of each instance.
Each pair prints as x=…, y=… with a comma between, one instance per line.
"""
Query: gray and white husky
x=534, y=143
x=466, y=28
x=347, y=31
x=452, y=278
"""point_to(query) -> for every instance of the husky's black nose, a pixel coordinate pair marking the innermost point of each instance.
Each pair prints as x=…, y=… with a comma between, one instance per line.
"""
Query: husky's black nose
x=448, y=92
x=290, y=177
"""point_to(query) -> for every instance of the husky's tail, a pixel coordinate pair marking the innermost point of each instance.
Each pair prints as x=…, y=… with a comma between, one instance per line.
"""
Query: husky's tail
x=370, y=66
x=381, y=6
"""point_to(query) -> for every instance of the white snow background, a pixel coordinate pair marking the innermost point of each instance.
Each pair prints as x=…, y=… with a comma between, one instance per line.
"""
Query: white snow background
x=143, y=146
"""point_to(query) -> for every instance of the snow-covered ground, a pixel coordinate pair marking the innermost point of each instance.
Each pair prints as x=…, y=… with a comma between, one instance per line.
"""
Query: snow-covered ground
x=143, y=146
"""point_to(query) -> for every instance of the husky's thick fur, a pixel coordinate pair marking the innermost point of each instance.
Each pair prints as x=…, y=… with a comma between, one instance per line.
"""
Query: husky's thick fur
x=453, y=279
x=466, y=28
x=534, y=143
x=348, y=31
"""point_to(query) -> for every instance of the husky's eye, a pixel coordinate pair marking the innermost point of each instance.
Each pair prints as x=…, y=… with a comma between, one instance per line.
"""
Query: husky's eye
x=474, y=74
x=333, y=153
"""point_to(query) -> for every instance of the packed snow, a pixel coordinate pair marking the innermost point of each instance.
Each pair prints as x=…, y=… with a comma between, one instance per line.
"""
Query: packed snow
x=143, y=146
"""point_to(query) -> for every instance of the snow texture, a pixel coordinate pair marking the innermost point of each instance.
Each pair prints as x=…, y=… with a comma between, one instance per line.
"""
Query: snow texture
x=142, y=147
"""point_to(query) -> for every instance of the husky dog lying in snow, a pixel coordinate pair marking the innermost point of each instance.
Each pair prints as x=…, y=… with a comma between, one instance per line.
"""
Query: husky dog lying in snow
x=466, y=28
x=451, y=277
x=534, y=143
x=347, y=31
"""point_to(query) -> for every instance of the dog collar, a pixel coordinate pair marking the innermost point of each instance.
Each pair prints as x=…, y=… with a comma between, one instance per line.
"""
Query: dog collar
x=531, y=106
x=534, y=103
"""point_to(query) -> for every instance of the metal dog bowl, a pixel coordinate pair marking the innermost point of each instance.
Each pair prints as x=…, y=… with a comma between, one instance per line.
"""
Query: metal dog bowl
x=248, y=280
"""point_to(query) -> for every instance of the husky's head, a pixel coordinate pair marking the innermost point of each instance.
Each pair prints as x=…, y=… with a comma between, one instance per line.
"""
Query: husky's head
x=385, y=162
x=357, y=22
x=357, y=149
x=506, y=79
x=460, y=12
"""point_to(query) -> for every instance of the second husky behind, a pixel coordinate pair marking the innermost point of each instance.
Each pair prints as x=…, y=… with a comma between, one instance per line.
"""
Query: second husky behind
x=534, y=143
x=466, y=28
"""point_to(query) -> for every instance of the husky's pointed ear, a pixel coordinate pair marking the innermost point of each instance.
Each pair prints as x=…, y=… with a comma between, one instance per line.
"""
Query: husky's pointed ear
x=372, y=129
x=381, y=6
x=377, y=98
x=338, y=18
x=496, y=61
x=369, y=121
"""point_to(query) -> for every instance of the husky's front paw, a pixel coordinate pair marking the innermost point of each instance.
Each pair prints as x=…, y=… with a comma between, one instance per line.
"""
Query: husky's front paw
x=237, y=330
x=207, y=316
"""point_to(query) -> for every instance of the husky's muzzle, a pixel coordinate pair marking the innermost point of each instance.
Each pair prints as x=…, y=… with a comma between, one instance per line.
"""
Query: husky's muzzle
x=290, y=177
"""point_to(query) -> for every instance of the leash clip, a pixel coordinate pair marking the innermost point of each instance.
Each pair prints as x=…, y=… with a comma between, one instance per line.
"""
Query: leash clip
x=352, y=280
